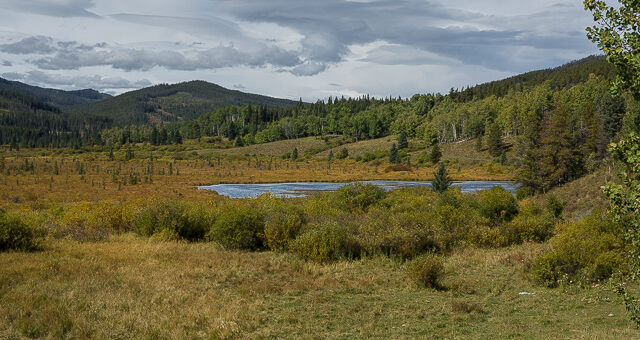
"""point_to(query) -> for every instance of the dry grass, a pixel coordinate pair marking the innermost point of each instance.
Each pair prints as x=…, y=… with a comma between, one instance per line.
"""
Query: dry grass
x=277, y=149
x=583, y=195
x=98, y=181
x=133, y=288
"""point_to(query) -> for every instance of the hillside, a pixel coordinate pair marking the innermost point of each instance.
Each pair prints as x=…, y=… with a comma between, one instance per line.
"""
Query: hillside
x=28, y=122
x=167, y=103
x=561, y=77
x=52, y=96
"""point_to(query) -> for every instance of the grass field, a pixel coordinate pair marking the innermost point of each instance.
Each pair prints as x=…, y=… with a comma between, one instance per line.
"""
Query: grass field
x=134, y=288
x=176, y=171
x=129, y=286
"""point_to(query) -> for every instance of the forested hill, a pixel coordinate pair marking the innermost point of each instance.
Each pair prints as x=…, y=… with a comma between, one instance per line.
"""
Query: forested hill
x=52, y=96
x=168, y=103
x=562, y=77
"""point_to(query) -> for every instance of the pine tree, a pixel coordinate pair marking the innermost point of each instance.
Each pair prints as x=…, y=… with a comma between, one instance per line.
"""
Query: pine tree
x=129, y=154
x=436, y=154
x=441, y=181
x=479, y=143
x=402, y=141
x=294, y=154
x=155, y=138
x=393, y=154
x=238, y=142
x=494, y=140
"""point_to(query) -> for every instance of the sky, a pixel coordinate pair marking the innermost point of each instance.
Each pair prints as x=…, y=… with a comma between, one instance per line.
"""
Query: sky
x=287, y=48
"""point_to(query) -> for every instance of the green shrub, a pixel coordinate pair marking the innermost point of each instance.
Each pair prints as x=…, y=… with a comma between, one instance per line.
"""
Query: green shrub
x=172, y=218
x=555, y=206
x=398, y=233
x=15, y=234
x=357, y=197
x=587, y=251
x=497, y=204
x=238, y=228
x=282, y=225
x=523, y=192
x=325, y=243
x=426, y=271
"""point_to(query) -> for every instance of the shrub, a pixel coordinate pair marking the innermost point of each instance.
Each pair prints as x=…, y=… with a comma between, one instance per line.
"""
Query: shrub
x=555, y=206
x=587, y=251
x=238, y=228
x=282, y=225
x=15, y=234
x=170, y=218
x=523, y=192
x=344, y=153
x=91, y=221
x=358, y=196
x=397, y=167
x=497, y=204
x=400, y=233
x=426, y=271
x=324, y=243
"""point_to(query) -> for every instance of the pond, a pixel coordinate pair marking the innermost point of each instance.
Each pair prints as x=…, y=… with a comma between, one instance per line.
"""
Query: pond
x=302, y=189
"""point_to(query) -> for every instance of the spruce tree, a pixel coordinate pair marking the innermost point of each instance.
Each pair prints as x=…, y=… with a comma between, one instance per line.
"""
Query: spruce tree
x=294, y=154
x=441, y=181
x=436, y=154
x=393, y=154
x=479, y=143
x=402, y=141
x=494, y=140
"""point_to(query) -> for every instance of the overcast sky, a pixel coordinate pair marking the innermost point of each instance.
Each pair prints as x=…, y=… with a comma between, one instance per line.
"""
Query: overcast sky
x=287, y=48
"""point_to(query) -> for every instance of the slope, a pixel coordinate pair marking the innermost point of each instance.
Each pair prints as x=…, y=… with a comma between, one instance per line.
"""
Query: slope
x=53, y=96
x=166, y=103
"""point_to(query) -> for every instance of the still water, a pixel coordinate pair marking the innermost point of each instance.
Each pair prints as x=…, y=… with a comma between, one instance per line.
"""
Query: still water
x=301, y=189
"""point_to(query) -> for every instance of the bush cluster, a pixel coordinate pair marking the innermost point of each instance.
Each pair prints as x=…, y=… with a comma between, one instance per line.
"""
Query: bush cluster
x=354, y=221
x=15, y=234
x=426, y=271
x=585, y=252
x=172, y=220
x=325, y=243
x=238, y=228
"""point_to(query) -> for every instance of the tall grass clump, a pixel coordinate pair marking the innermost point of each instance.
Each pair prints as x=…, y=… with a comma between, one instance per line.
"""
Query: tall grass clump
x=15, y=234
x=426, y=271
x=238, y=228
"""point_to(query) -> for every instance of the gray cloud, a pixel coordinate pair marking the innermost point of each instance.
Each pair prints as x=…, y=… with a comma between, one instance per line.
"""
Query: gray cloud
x=31, y=45
x=72, y=55
x=308, y=69
x=76, y=82
x=58, y=8
x=6, y=63
x=211, y=27
x=331, y=26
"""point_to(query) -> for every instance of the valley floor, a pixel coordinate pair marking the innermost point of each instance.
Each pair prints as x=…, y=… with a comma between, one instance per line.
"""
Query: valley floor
x=129, y=287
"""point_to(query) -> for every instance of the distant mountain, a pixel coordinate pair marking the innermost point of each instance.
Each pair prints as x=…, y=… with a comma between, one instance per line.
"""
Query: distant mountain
x=167, y=103
x=52, y=96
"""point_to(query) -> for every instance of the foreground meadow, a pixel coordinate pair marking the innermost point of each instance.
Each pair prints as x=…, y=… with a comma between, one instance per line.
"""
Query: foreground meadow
x=129, y=287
